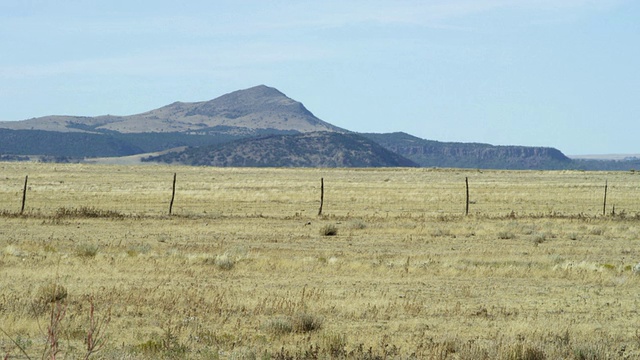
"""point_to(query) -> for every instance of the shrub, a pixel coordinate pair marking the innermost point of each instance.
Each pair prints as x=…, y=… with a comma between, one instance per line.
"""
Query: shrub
x=440, y=233
x=87, y=250
x=303, y=322
x=596, y=231
x=539, y=238
x=46, y=295
x=224, y=262
x=135, y=250
x=50, y=293
x=506, y=235
x=329, y=230
x=358, y=225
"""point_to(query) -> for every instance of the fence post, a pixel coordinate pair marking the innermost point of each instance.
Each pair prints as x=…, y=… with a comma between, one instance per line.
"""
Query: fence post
x=466, y=181
x=321, y=195
x=604, y=205
x=173, y=193
x=24, y=194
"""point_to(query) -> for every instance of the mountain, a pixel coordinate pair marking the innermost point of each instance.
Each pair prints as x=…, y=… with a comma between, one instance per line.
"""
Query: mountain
x=259, y=126
x=242, y=112
x=317, y=149
x=428, y=153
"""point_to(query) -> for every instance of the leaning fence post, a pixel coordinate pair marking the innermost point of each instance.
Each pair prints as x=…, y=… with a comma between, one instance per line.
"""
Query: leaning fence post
x=173, y=193
x=24, y=194
x=604, y=205
x=466, y=181
x=321, y=195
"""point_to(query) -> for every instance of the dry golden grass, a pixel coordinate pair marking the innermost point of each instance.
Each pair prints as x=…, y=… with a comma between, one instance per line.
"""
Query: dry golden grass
x=243, y=268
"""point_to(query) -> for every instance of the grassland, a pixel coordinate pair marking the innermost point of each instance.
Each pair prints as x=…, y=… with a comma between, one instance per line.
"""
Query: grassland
x=243, y=268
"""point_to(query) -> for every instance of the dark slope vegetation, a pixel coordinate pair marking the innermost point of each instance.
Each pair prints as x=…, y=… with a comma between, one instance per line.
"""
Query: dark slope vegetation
x=110, y=144
x=51, y=143
x=318, y=149
x=429, y=153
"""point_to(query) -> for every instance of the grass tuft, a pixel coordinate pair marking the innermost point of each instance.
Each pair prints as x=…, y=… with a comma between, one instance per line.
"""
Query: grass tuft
x=87, y=250
x=224, y=262
x=329, y=230
x=51, y=293
x=46, y=295
x=506, y=235
x=279, y=325
x=86, y=212
x=524, y=352
x=304, y=322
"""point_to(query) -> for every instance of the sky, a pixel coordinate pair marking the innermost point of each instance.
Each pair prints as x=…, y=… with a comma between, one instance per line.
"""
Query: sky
x=555, y=73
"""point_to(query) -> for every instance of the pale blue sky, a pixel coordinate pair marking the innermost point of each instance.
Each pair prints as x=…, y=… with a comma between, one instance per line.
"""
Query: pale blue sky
x=560, y=73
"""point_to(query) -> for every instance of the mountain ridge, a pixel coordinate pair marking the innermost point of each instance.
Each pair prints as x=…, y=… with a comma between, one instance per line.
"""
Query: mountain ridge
x=254, y=114
x=258, y=107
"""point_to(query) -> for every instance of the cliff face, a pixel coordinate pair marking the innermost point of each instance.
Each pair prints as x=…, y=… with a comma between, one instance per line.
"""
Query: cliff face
x=480, y=151
x=471, y=155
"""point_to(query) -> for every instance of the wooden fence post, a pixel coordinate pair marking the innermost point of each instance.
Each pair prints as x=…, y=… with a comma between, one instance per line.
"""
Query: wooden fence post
x=466, y=181
x=24, y=194
x=173, y=193
x=604, y=205
x=321, y=195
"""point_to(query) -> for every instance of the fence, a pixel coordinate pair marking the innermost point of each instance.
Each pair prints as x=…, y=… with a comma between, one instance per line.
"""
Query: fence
x=311, y=192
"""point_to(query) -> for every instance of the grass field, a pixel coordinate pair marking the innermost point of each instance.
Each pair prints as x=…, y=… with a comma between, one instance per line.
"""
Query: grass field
x=245, y=268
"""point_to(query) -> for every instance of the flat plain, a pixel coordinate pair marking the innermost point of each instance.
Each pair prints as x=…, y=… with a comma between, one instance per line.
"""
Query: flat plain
x=246, y=268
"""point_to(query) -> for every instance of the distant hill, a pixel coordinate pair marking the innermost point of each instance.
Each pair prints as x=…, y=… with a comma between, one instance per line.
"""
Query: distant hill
x=429, y=153
x=240, y=112
x=259, y=126
x=318, y=149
